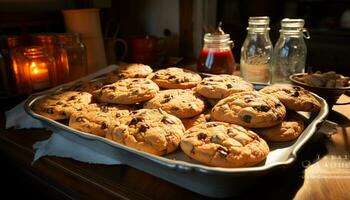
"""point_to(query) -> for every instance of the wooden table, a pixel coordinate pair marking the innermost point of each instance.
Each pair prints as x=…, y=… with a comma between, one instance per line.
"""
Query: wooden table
x=322, y=171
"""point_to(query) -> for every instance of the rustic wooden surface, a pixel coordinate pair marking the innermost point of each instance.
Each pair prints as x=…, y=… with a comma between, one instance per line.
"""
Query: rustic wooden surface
x=322, y=171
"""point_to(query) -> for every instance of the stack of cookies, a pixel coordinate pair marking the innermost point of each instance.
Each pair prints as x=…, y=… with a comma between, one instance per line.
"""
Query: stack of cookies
x=219, y=120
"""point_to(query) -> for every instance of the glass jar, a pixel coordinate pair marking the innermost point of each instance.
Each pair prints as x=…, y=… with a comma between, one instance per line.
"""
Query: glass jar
x=256, y=51
x=72, y=55
x=35, y=69
x=216, y=56
x=290, y=51
x=48, y=42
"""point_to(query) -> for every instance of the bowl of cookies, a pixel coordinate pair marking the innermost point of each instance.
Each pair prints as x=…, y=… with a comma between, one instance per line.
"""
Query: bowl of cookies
x=328, y=85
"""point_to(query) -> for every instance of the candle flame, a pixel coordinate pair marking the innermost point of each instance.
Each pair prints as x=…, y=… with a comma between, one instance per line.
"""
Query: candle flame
x=34, y=68
x=35, y=71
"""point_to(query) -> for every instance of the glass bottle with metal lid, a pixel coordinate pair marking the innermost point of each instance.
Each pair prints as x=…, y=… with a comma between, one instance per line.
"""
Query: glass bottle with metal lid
x=290, y=51
x=72, y=55
x=216, y=55
x=256, y=51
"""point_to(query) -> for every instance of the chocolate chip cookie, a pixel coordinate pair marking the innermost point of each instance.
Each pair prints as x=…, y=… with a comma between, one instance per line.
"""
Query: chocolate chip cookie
x=178, y=102
x=127, y=91
x=220, y=86
x=290, y=128
x=150, y=130
x=250, y=109
x=89, y=86
x=61, y=105
x=293, y=97
x=222, y=144
x=199, y=119
x=175, y=78
x=97, y=119
x=133, y=70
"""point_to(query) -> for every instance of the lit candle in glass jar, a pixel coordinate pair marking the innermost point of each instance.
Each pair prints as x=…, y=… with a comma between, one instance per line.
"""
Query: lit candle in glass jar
x=35, y=69
x=39, y=76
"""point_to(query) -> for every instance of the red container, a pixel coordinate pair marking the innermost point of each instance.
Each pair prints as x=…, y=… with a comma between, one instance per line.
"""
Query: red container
x=216, y=56
x=144, y=49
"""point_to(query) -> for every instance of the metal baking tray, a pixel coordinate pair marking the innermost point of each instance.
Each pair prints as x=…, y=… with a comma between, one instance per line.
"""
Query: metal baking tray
x=179, y=169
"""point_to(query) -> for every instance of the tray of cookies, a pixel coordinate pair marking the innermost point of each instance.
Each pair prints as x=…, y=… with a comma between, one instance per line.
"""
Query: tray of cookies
x=212, y=134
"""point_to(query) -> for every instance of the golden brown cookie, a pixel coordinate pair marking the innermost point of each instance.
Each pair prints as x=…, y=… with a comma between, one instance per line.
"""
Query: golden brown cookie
x=61, y=105
x=175, y=78
x=89, y=86
x=250, y=109
x=133, y=70
x=97, y=119
x=178, y=102
x=290, y=128
x=199, y=119
x=127, y=91
x=222, y=144
x=293, y=97
x=150, y=130
x=220, y=86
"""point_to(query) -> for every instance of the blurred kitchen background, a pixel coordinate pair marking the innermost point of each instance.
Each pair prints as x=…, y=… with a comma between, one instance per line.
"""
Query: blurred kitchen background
x=179, y=25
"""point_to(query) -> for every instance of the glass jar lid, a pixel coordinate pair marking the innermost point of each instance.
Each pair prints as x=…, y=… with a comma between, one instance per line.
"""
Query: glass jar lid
x=294, y=27
x=218, y=37
x=258, y=23
x=292, y=24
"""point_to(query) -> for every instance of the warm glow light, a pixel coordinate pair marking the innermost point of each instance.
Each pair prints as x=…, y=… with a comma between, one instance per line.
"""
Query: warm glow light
x=35, y=71
x=39, y=75
x=33, y=68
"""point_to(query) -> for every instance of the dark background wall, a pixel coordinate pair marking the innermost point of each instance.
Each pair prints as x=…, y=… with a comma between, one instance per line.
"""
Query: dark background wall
x=328, y=48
